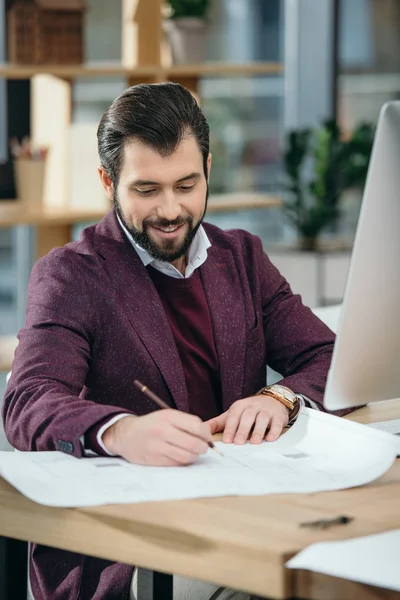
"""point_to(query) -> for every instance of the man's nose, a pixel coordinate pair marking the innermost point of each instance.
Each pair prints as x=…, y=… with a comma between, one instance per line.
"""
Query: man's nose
x=169, y=208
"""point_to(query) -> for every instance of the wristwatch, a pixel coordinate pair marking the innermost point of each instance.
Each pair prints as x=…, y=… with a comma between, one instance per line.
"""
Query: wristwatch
x=284, y=395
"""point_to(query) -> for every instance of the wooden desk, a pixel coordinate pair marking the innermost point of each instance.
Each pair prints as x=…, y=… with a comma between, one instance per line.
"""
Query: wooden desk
x=240, y=542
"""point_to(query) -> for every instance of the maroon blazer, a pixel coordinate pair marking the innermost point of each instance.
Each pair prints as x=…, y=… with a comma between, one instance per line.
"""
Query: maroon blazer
x=95, y=322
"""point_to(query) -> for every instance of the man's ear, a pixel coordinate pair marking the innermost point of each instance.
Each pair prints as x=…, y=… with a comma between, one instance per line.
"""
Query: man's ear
x=209, y=162
x=106, y=182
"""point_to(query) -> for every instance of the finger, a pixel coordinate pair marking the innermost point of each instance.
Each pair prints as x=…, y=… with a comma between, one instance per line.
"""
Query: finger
x=260, y=427
x=217, y=424
x=186, y=441
x=190, y=424
x=232, y=422
x=275, y=430
x=151, y=454
x=178, y=456
x=246, y=422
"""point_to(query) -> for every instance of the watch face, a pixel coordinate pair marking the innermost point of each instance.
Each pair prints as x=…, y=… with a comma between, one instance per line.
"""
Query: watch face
x=286, y=392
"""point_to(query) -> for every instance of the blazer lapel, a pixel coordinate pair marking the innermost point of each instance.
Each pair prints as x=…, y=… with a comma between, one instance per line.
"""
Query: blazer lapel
x=142, y=305
x=225, y=299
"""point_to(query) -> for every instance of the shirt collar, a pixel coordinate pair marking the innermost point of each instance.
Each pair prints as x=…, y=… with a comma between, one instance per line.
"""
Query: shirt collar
x=197, y=254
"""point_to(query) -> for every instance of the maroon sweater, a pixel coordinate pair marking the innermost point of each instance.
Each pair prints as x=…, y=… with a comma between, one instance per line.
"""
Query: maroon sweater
x=186, y=307
x=188, y=314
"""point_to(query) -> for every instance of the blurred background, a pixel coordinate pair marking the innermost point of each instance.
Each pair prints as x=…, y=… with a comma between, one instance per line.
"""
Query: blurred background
x=291, y=89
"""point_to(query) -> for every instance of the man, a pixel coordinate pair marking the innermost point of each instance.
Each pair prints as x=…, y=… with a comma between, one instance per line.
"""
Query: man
x=150, y=292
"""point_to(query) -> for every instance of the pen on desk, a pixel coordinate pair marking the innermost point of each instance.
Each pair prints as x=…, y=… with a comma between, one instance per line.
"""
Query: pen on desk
x=325, y=523
x=143, y=388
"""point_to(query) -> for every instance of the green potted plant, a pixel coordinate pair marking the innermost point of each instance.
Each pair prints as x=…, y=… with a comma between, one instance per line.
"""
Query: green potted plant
x=186, y=29
x=319, y=166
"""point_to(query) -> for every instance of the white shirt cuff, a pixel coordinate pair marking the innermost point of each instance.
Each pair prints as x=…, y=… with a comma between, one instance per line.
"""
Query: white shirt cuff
x=105, y=427
x=100, y=433
x=303, y=401
x=309, y=403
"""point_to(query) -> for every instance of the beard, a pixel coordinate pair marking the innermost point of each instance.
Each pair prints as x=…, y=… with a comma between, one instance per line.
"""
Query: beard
x=167, y=250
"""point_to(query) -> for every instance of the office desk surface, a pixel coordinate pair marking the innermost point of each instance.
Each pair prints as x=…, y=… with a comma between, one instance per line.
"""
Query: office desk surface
x=241, y=542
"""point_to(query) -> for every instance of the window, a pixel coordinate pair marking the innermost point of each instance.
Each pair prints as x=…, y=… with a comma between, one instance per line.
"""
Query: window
x=369, y=58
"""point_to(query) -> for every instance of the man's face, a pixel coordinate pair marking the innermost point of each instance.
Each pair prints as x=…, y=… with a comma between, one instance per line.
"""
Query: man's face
x=162, y=200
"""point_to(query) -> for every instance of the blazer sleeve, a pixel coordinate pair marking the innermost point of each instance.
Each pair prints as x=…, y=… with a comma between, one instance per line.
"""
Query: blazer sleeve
x=299, y=345
x=42, y=408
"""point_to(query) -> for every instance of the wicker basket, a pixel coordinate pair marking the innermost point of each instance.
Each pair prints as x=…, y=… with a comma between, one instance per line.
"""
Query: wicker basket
x=45, y=32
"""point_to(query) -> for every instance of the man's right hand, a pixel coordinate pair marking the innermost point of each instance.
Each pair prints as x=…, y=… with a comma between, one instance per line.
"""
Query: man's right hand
x=165, y=437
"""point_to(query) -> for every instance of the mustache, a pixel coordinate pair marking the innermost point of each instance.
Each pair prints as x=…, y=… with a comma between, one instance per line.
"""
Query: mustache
x=165, y=223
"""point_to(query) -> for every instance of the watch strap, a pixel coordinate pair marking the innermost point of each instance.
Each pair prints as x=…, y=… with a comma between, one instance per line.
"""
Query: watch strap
x=293, y=406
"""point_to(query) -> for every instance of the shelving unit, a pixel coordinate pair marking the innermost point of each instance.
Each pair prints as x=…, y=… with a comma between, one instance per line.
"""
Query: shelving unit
x=51, y=100
x=145, y=59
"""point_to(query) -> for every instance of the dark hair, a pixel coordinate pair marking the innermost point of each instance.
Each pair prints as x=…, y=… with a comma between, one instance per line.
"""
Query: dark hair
x=159, y=115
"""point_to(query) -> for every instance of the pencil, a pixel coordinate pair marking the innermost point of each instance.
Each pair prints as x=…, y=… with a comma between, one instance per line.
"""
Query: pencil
x=143, y=388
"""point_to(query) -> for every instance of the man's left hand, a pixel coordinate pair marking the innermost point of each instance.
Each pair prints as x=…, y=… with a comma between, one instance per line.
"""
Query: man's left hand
x=252, y=415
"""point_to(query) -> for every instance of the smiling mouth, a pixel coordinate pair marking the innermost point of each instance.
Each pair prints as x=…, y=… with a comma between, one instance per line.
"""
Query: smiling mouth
x=169, y=232
x=169, y=229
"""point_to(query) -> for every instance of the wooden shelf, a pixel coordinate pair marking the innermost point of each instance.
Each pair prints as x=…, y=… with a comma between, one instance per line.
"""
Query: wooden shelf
x=241, y=201
x=225, y=69
x=13, y=214
x=10, y=71
x=324, y=246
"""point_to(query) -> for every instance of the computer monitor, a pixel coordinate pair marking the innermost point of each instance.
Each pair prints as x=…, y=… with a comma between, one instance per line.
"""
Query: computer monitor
x=366, y=358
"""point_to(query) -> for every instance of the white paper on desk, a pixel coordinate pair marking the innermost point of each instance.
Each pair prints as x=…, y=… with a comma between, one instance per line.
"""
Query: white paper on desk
x=373, y=559
x=320, y=452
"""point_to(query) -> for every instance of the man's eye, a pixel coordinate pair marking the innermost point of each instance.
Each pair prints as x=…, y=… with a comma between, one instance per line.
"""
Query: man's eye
x=146, y=192
x=186, y=188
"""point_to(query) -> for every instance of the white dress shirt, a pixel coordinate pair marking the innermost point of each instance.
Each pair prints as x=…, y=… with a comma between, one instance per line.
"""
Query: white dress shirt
x=197, y=254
